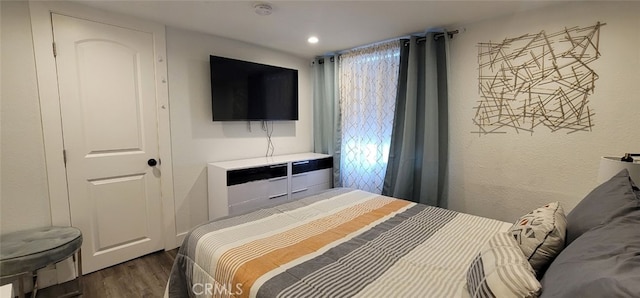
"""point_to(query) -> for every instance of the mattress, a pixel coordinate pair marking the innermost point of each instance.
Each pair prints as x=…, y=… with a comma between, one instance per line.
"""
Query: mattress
x=341, y=243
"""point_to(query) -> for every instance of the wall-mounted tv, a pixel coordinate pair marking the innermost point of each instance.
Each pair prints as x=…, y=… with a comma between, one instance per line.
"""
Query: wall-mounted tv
x=248, y=91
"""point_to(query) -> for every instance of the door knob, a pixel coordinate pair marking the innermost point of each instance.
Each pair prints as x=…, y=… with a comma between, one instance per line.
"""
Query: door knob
x=152, y=162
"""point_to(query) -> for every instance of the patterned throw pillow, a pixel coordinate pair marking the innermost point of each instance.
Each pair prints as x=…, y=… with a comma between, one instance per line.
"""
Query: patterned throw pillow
x=541, y=234
x=500, y=270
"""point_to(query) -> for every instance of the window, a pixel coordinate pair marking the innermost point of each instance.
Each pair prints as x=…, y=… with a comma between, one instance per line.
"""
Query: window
x=368, y=85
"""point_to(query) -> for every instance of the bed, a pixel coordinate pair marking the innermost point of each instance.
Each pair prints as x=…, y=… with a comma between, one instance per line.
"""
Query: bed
x=351, y=243
x=342, y=242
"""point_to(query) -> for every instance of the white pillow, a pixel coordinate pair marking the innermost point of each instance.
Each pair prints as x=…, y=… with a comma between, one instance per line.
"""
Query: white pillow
x=500, y=270
x=541, y=234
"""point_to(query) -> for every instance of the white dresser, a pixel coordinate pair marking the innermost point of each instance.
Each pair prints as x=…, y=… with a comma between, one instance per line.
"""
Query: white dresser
x=244, y=185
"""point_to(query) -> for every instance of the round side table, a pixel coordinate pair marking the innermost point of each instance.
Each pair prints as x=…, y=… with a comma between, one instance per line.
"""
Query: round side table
x=22, y=253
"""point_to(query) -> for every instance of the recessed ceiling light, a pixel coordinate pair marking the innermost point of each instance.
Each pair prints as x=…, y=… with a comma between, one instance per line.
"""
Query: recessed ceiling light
x=312, y=39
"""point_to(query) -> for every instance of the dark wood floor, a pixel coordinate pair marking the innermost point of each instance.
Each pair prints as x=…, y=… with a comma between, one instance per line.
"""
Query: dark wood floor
x=143, y=277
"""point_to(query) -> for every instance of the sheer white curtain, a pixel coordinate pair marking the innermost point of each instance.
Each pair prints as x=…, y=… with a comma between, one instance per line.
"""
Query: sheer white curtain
x=368, y=79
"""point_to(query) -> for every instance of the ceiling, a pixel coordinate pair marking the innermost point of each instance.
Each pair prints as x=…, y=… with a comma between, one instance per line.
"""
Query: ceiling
x=339, y=25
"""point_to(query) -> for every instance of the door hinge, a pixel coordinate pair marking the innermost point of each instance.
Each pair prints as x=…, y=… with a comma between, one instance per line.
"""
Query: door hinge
x=55, y=51
x=64, y=157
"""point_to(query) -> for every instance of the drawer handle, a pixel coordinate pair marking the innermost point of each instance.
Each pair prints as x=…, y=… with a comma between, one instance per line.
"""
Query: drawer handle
x=299, y=190
x=277, y=178
x=300, y=175
x=300, y=162
x=278, y=166
x=277, y=196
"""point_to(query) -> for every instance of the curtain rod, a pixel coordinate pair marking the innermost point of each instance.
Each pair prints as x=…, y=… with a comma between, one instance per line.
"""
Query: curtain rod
x=435, y=36
x=321, y=60
x=420, y=39
x=441, y=34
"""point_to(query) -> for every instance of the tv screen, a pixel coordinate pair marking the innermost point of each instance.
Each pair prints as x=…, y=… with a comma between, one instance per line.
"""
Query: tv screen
x=245, y=91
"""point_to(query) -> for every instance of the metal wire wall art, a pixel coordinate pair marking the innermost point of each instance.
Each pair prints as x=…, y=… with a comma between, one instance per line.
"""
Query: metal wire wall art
x=538, y=80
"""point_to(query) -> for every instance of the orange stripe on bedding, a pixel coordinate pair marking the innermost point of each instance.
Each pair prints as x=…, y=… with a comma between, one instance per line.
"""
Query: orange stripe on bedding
x=231, y=259
x=247, y=273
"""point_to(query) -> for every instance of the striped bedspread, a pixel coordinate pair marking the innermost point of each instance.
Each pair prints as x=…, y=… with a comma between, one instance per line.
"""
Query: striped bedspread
x=341, y=243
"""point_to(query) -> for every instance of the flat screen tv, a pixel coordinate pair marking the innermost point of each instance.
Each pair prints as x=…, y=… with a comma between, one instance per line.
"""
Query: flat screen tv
x=248, y=91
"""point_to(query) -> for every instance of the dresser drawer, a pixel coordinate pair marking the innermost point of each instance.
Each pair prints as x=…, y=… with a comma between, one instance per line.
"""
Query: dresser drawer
x=306, y=179
x=241, y=176
x=262, y=189
x=304, y=166
x=308, y=191
x=256, y=204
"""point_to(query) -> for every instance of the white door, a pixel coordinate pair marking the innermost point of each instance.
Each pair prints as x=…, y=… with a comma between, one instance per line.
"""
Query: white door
x=109, y=122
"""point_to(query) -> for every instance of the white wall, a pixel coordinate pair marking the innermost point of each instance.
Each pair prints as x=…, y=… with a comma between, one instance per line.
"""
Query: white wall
x=24, y=198
x=196, y=139
x=503, y=176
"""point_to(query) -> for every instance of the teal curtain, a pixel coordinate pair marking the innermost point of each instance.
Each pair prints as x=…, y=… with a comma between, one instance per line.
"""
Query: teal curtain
x=418, y=157
x=326, y=111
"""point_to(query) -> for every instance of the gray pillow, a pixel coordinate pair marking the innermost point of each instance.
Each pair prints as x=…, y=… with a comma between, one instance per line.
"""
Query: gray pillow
x=540, y=234
x=603, y=262
x=601, y=205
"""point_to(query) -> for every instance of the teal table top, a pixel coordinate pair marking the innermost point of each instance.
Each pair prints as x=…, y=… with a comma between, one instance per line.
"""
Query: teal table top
x=30, y=250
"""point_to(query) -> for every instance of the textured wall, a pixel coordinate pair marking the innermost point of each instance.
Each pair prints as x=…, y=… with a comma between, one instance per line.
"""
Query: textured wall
x=24, y=197
x=196, y=139
x=505, y=175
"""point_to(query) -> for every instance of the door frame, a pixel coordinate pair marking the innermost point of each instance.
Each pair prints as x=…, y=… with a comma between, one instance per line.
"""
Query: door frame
x=42, y=29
